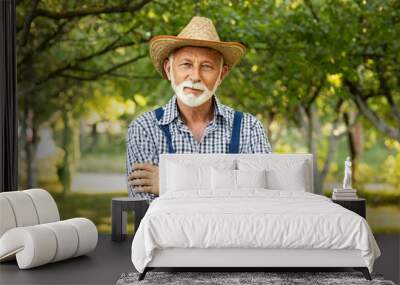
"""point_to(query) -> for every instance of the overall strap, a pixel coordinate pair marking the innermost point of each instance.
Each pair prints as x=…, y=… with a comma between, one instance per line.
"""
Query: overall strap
x=159, y=112
x=235, y=137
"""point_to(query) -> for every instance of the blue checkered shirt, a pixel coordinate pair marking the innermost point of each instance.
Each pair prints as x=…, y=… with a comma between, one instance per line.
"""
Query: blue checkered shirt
x=145, y=140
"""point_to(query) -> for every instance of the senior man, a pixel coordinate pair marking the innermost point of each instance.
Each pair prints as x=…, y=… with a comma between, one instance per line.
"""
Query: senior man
x=193, y=120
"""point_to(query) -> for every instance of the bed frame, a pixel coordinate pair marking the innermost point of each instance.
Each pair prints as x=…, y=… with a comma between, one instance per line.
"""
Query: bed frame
x=241, y=259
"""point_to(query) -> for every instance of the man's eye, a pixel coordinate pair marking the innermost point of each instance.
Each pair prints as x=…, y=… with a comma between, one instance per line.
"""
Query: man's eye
x=186, y=64
x=207, y=66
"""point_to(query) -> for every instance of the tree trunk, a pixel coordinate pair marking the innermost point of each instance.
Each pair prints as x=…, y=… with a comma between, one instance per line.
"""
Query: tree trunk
x=28, y=133
x=65, y=171
x=309, y=126
x=94, y=136
x=354, y=140
x=318, y=179
x=76, y=142
x=358, y=139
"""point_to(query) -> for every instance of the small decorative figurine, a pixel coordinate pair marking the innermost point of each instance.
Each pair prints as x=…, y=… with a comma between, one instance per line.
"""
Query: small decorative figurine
x=347, y=174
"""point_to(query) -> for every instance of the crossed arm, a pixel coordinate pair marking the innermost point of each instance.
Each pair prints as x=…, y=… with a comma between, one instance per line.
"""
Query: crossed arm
x=144, y=178
x=141, y=161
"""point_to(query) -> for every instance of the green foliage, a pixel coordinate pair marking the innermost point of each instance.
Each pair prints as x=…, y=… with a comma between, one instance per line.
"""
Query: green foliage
x=388, y=197
x=308, y=64
x=392, y=167
x=292, y=47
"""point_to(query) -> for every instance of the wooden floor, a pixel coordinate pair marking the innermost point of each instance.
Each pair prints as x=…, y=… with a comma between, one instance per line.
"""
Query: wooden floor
x=111, y=259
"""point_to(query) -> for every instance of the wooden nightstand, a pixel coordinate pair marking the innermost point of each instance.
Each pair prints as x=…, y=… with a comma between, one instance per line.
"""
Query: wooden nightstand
x=356, y=205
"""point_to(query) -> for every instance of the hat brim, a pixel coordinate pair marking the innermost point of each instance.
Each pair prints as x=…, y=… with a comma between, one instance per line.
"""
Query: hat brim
x=161, y=46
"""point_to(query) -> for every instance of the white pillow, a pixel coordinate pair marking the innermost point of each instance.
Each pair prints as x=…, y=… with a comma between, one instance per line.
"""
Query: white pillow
x=295, y=180
x=282, y=174
x=228, y=179
x=200, y=160
x=187, y=174
x=223, y=179
x=188, y=177
x=251, y=178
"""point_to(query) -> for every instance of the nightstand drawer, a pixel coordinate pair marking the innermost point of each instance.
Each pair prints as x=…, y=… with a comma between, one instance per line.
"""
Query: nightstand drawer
x=356, y=205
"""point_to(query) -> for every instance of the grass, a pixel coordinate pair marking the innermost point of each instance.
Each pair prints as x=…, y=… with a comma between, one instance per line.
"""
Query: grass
x=94, y=206
x=102, y=163
x=384, y=219
x=97, y=207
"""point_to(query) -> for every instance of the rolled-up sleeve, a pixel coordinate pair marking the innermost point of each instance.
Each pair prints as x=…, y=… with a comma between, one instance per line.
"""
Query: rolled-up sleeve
x=259, y=142
x=140, y=148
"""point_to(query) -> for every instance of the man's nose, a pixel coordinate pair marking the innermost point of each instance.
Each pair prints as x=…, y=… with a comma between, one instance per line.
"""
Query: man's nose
x=195, y=74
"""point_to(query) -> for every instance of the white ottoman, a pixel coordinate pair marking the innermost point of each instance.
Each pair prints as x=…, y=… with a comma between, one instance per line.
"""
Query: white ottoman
x=30, y=230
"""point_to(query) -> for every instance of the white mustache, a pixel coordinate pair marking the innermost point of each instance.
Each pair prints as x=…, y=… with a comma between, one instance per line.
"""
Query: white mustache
x=190, y=84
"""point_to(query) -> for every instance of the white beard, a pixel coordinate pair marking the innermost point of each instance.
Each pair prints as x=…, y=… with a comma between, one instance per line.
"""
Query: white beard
x=191, y=99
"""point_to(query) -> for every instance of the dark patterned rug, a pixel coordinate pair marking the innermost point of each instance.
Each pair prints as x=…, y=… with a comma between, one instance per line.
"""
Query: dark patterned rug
x=229, y=278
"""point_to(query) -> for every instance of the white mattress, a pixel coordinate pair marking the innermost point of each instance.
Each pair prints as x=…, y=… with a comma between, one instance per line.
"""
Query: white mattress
x=252, y=219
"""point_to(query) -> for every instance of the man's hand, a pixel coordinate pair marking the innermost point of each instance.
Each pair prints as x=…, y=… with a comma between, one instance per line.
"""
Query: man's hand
x=145, y=178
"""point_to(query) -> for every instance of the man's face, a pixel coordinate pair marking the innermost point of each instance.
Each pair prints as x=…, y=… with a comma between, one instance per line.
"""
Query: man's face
x=196, y=64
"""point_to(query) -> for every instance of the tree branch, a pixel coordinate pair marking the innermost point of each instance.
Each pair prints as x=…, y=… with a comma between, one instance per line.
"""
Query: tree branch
x=44, y=44
x=311, y=8
x=133, y=77
x=315, y=93
x=72, y=64
x=349, y=127
x=104, y=72
x=27, y=23
x=393, y=106
x=111, y=46
x=386, y=91
x=90, y=11
x=370, y=114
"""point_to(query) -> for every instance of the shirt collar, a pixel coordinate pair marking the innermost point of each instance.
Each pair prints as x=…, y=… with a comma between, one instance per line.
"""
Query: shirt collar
x=171, y=110
x=220, y=108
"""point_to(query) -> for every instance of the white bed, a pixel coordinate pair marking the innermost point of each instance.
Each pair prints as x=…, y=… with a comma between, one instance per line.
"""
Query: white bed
x=203, y=220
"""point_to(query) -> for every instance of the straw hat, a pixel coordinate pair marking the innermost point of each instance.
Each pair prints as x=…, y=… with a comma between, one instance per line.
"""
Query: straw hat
x=199, y=32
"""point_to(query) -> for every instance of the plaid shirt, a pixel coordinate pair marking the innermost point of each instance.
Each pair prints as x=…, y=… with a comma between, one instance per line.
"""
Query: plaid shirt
x=145, y=140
